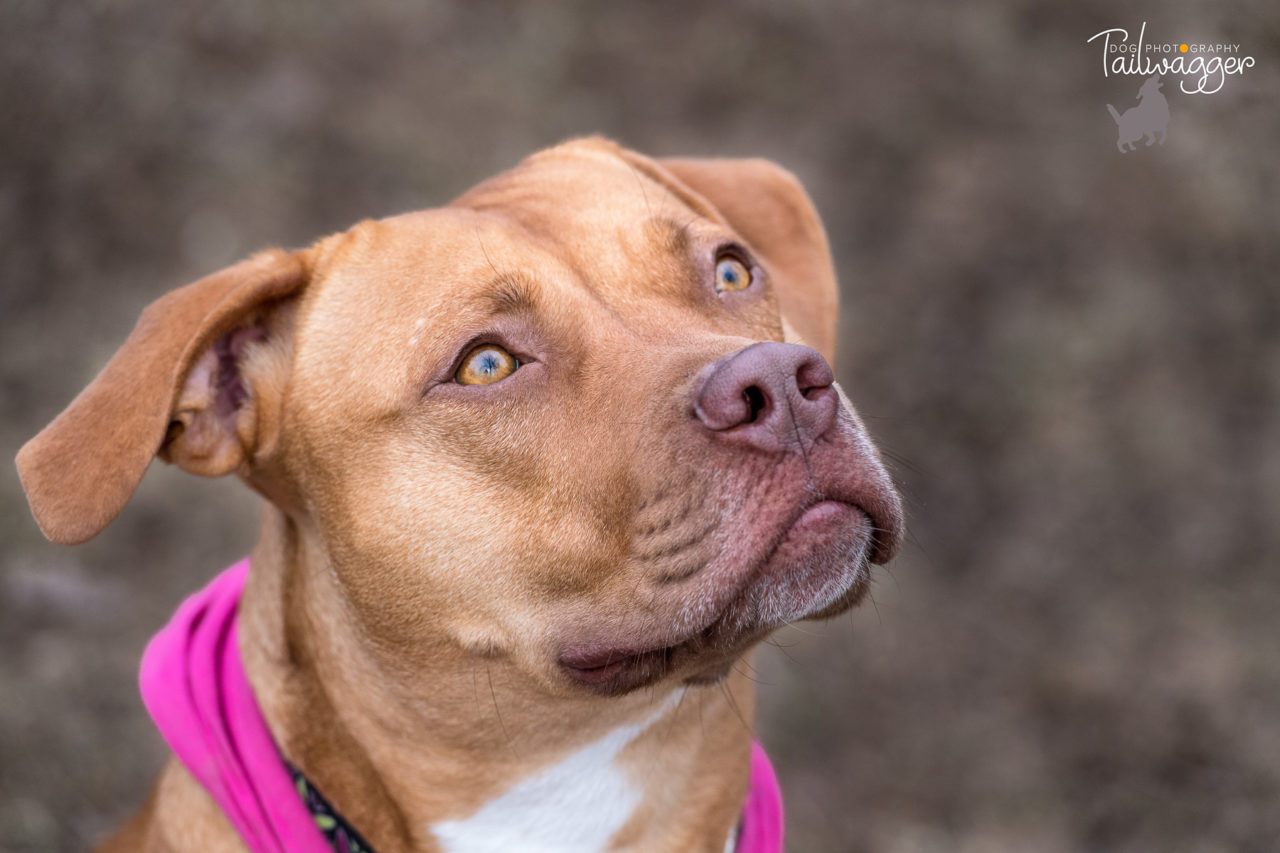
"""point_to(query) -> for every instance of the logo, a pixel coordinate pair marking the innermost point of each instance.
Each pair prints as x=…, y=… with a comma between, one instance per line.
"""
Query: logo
x=1149, y=117
x=1201, y=69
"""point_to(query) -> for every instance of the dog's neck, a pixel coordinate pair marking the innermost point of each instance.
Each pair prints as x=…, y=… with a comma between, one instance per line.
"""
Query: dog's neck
x=462, y=756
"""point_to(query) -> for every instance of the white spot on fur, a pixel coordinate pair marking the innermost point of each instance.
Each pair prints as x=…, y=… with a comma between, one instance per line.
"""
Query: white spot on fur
x=574, y=806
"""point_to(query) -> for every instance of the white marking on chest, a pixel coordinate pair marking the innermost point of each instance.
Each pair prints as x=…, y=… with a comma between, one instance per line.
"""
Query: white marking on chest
x=574, y=806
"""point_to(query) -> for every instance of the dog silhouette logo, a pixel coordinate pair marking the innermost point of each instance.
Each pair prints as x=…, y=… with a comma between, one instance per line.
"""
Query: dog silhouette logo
x=1148, y=118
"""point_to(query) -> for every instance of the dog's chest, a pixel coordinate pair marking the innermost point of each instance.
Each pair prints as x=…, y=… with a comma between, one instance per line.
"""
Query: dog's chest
x=577, y=804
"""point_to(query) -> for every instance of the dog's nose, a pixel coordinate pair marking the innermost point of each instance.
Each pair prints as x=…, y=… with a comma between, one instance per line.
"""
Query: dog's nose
x=771, y=396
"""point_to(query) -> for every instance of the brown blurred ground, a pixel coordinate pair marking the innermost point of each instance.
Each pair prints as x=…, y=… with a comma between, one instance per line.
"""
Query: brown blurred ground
x=1074, y=356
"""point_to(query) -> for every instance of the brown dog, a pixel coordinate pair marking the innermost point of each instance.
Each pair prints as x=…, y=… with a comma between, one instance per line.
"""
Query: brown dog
x=539, y=469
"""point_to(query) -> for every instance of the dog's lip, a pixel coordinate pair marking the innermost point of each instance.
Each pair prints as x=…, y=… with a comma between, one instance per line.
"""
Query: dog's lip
x=818, y=509
x=596, y=664
x=612, y=671
x=817, y=513
x=616, y=668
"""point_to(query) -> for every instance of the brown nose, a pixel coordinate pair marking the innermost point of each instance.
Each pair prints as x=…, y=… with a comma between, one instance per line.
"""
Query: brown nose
x=775, y=397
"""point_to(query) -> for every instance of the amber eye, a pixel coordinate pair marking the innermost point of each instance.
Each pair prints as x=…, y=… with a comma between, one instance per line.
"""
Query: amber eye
x=731, y=274
x=485, y=365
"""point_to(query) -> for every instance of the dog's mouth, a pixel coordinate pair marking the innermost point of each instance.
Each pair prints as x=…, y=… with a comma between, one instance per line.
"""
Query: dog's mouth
x=817, y=567
x=611, y=671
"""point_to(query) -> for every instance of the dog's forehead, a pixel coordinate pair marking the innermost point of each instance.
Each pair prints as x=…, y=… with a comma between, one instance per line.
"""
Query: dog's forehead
x=581, y=186
x=576, y=214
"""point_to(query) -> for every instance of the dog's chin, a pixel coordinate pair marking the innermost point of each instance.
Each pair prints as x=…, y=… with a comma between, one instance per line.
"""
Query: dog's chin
x=818, y=569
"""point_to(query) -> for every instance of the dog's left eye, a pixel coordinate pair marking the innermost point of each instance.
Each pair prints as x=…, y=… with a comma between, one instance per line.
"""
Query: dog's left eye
x=486, y=364
x=731, y=274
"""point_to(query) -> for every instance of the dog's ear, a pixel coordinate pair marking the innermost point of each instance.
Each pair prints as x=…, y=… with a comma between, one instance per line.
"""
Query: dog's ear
x=770, y=209
x=184, y=385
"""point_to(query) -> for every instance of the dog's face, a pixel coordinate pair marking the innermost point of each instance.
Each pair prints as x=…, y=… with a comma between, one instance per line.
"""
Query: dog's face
x=553, y=424
x=1150, y=87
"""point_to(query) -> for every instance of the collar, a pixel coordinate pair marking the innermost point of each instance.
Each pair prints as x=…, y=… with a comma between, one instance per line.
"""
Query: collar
x=195, y=688
x=341, y=836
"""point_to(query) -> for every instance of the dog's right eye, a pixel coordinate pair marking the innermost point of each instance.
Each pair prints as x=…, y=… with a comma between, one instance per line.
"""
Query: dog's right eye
x=732, y=273
x=486, y=364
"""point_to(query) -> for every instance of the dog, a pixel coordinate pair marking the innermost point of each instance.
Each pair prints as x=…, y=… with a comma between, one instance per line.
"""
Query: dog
x=1149, y=117
x=540, y=467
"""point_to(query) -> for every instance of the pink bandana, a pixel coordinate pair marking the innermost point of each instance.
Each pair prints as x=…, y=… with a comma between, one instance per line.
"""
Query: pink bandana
x=194, y=686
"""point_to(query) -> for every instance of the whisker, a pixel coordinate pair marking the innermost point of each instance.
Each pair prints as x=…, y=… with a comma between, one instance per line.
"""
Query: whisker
x=640, y=183
x=510, y=743
x=871, y=596
x=748, y=673
x=733, y=704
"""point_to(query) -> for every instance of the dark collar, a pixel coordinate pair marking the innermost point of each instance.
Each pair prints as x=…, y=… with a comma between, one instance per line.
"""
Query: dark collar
x=342, y=836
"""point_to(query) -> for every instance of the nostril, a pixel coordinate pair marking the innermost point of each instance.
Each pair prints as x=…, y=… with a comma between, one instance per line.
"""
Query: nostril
x=814, y=377
x=755, y=400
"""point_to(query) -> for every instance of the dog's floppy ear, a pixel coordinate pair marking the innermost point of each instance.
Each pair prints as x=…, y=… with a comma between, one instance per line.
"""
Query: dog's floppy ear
x=767, y=205
x=177, y=387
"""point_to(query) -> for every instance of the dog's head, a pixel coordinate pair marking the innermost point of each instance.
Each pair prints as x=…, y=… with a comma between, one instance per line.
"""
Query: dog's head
x=1151, y=86
x=567, y=420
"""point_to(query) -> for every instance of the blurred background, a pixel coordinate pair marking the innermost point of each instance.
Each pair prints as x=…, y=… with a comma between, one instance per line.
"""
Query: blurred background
x=1072, y=355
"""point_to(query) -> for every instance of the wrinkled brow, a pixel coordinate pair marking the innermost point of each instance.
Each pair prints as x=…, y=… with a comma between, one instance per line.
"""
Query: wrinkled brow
x=509, y=294
x=675, y=236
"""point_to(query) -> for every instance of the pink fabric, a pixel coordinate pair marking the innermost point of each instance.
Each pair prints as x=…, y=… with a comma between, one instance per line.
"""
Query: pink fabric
x=194, y=686
x=762, y=816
